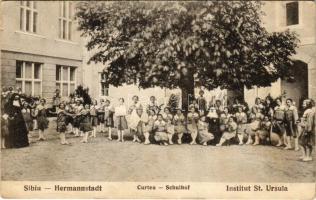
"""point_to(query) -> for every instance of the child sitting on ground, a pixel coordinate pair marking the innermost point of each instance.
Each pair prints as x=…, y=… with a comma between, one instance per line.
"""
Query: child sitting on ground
x=263, y=132
x=230, y=131
x=204, y=135
x=160, y=128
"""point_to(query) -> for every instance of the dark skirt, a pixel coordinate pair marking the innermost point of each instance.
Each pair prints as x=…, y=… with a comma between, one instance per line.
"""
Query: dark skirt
x=305, y=139
x=100, y=117
x=278, y=128
x=69, y=120
x=290, y=128
x=94, y=121
x=42, y=123
x=76, y=121
x=121, y=123
x=17, y=137
x=214, y=128
x=61, y=127
x=109, y=122
x=86, y=127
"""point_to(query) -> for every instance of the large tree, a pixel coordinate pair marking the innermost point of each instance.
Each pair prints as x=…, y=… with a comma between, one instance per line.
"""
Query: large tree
x=185, y=44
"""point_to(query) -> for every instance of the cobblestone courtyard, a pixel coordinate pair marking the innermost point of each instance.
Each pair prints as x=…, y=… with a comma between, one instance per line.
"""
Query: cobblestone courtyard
x=103, y=160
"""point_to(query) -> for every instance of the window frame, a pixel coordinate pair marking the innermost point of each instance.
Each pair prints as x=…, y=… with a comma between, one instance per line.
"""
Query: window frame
x=65, y=16
x=33, y=10
x=23, y=79
x=101, y=93
x=286, y=13
x=300, y=15
x=69, y=82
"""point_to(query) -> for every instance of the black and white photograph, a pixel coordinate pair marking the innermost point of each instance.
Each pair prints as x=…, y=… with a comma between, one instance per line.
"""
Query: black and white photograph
x=161, y=92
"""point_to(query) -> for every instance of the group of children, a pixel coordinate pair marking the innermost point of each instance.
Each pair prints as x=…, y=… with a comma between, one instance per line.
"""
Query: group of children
x=204, y=124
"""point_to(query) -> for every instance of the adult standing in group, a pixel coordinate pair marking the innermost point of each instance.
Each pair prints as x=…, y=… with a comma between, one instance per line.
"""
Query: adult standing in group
x=17, y=129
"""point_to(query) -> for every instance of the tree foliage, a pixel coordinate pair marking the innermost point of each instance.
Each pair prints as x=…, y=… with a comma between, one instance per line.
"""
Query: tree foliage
x=168, y=44
x=84, y=94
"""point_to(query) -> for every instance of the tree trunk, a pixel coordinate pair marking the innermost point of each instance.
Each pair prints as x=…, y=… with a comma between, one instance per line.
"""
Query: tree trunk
x=187, y=91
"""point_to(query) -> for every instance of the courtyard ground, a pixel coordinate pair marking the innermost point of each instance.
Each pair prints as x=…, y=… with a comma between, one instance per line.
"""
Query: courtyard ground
x=104, y=160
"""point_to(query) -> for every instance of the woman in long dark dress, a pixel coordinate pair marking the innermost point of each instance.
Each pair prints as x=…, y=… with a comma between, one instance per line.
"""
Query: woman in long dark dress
x=17, y=137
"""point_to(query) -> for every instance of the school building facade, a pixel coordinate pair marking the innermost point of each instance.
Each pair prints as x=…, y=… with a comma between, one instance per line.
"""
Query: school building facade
x=41, y=51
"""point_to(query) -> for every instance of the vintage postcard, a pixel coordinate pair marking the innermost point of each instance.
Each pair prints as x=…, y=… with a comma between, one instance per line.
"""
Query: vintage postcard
x=158, y=99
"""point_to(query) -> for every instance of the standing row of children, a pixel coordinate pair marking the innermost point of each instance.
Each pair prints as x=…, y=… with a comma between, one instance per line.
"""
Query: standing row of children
x=205, y=124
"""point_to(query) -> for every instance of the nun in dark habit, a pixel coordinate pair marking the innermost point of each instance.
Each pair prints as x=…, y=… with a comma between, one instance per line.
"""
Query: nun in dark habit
x=18, y=132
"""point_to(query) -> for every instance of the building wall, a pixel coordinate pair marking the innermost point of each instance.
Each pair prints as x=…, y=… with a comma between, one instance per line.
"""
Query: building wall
x=275, y=20
x=45, y=41
x=8, y=70
x=44, y=46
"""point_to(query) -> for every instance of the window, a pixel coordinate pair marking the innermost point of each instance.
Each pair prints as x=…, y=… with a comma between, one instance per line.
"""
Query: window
x=28, y=16
x=29, y=77
x=65, y=20
x=103, y=86
x=65, y=79
x=292, y=13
